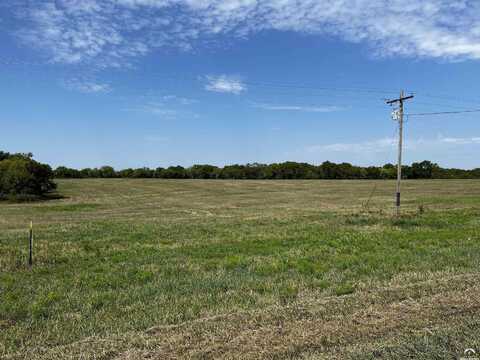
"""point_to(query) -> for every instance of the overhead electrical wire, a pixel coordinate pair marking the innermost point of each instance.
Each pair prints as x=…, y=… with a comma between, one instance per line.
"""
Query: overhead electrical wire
x=438, y=105
x=444, y=113
x=283, y=88
x=449, y=98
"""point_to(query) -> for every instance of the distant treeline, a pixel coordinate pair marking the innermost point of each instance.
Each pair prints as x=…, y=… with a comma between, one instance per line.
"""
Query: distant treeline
x=285, y=170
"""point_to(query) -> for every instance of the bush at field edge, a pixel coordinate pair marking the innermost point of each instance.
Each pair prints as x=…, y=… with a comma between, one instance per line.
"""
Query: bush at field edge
x=22, y=178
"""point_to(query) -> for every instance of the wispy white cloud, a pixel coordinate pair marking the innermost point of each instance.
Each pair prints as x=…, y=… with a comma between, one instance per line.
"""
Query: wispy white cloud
x=110, y=33
x=321, y=109
x=178, y=99
x=87, y=86
x=378, y=145
x=385, y=144
x=446, y=151
x=461, y=141
x=168, y=107
x=225, y=84
x=155, y=109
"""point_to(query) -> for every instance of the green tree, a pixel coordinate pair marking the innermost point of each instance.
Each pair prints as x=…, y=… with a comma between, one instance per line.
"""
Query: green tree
x=107, y=172
x=125, y=173
x=22, y=177
x=143, y=173
x=423, y=170
x=63, y=172
x=232, y=172
x=329, y=170
x=373, y=172
x=4, y=155
x=175, y=172
x=204, y=172
x=159, y=172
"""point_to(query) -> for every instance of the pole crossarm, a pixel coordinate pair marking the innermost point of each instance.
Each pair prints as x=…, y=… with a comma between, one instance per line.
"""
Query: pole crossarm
x=400, y=99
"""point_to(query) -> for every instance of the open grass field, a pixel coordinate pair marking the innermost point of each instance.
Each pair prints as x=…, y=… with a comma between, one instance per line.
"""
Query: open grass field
x=159, y=269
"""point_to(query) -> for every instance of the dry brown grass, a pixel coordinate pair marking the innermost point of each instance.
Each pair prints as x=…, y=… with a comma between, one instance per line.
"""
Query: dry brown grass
x=314, y=328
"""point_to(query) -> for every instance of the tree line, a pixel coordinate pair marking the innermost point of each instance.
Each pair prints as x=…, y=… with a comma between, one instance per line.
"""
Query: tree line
x=286, y=170
x=22, y=178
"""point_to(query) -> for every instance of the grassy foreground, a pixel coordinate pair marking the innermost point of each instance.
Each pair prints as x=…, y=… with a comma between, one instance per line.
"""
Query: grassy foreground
x=134, y=269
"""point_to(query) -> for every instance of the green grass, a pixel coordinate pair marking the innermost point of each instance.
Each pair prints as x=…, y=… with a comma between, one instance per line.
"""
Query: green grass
x=117, y=257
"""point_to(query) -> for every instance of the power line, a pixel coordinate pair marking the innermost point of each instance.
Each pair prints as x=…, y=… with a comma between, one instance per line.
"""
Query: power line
x=458, y=107
x=279, y=88
x=449, y=98
x=321, y=88
x=38, y=66
x=445, y=113
x=287, y=87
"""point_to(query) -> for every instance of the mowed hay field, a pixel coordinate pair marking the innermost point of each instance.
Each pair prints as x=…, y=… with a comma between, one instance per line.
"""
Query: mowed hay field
x=164, y=269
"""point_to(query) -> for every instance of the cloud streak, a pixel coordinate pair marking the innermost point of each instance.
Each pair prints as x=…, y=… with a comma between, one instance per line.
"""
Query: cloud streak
x=112, y=33
x=317, y=109
x=86, y=86
x=225, y=84
x=168, y=107
x=386, y=144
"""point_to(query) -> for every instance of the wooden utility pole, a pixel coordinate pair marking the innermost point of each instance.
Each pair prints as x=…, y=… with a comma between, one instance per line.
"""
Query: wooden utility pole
x=399, y=118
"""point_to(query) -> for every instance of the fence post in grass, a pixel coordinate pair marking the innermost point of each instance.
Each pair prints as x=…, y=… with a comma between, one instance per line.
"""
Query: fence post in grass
x=30, y=240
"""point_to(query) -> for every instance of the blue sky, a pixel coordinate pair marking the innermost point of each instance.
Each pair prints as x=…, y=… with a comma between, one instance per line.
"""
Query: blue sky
x=135, y=83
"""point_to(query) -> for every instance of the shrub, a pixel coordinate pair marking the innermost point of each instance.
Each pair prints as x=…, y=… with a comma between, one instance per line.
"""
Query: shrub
x=4, y=155
x=21, y=177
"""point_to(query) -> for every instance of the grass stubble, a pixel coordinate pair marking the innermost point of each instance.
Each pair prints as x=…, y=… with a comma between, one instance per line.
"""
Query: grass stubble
x=134, y=269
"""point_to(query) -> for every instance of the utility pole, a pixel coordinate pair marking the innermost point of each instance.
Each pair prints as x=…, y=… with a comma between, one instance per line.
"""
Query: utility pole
x=399, y=118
